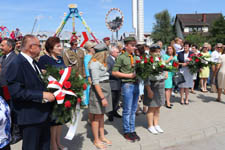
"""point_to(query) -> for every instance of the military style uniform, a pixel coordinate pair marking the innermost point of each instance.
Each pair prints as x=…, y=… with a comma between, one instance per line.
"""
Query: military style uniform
x=75, y=58
x=125, y=63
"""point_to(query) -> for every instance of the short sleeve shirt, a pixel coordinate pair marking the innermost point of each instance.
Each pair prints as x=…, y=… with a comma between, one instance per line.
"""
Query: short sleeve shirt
x=123, y=65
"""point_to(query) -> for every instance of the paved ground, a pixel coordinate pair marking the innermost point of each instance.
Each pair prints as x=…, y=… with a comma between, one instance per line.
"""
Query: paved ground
x=204, y=117
x=215, y=142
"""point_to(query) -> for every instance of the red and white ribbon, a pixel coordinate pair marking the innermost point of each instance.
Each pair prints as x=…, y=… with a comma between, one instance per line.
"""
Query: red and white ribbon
x=61, y=92
x=73, y=127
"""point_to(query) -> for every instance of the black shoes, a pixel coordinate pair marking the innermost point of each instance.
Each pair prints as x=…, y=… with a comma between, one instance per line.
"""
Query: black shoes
x=117, y=115
x=136, y=137
x=111, y=118
x=169, y=107
x=132, y=137
x=129, y=137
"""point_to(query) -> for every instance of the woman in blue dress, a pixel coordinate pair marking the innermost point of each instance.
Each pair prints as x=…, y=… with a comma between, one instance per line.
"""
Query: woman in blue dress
x=54, y=49
x=169, y=57
x=89, y=47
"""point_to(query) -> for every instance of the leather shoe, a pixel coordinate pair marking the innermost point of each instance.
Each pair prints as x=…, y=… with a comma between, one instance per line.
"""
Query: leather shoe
x=111, y=118
x=117, y=115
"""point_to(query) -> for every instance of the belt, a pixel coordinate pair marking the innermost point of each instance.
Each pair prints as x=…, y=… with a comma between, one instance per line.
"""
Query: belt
x=130, y=82
x=105, y=81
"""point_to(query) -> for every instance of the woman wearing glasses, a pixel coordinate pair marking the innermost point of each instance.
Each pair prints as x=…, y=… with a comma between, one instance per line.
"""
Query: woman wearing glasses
x=54, y=49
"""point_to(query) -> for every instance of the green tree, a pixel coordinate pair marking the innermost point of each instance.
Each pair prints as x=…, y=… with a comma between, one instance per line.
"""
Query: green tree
x=196, y=38
x=217, y=31
x=163, y=28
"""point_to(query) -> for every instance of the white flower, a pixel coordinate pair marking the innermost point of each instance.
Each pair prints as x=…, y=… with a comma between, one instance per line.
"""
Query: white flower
x=142, y=62
x=156, y=58
x=153, y=67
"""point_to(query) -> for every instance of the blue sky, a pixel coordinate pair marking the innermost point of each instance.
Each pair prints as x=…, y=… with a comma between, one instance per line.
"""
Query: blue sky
x=22, y=13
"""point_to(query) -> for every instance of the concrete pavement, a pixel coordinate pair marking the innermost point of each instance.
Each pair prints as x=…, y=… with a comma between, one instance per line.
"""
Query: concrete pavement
x=202, y=118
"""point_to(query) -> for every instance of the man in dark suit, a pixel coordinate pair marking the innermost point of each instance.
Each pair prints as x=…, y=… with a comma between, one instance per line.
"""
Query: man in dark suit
x=115, y=83
x=30, y=101
x=7, y=47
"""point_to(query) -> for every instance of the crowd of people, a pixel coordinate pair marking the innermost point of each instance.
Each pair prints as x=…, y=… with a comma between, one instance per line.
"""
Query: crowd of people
x=25, y=104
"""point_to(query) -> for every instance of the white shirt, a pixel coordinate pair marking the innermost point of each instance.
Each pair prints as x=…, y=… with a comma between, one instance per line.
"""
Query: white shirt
x=8, y=55
x=215, y=56
x=113, y=57
x=177, y=47
x=30, y=60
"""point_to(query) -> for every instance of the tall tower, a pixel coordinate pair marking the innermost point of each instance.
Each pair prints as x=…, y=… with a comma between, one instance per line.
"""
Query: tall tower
x=138, y=19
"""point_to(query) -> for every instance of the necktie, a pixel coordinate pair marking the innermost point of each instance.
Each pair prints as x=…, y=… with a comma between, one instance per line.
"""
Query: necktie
x=35, y=67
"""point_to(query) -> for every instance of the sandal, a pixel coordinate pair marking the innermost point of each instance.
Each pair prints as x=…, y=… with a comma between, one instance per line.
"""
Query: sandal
x=193, y=92
x=61, y=147
x=100, y=146
x=106, y=141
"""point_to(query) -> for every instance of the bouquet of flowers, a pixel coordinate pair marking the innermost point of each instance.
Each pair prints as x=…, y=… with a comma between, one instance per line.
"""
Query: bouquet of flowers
x=196, y=62
x=67, y=86
x=153, y=66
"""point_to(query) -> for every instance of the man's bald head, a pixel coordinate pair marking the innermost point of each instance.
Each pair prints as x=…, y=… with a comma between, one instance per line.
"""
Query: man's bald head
x=28, y=41
x=31, y=46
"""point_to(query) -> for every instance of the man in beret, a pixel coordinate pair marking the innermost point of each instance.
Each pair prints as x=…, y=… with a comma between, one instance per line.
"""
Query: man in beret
x=106, y=40
x=124, y=68
x=75, y=57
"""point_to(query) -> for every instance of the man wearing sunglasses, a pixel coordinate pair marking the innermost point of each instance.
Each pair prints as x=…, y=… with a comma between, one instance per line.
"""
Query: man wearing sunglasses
x=124, y=68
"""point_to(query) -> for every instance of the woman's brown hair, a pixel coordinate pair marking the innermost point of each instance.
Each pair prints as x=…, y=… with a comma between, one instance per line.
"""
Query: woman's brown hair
x=174, y=51
x=50, y=43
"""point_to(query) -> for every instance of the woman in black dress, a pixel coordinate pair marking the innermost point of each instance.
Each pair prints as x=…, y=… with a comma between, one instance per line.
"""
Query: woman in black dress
x=54, y=49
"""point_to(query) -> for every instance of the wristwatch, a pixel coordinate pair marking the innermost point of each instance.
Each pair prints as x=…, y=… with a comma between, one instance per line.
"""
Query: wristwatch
x=44, y=101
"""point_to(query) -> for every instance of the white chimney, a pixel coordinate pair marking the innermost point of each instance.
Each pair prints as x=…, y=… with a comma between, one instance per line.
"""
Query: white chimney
x=134, y=13
x=140, y=20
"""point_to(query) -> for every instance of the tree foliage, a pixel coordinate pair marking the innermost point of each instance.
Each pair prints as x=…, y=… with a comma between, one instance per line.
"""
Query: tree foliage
x=196, y=38
x=217, y=31
x=163, y=28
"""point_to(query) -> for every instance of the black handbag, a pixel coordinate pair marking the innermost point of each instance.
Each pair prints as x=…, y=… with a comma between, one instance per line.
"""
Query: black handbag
x=178, y=78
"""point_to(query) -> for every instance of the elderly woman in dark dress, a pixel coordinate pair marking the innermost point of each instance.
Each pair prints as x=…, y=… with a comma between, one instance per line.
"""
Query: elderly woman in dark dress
x=54, y=49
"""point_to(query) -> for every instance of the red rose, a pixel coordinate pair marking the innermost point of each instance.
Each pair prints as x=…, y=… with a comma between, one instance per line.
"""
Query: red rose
x=151, y=59
x=146, y=61
x=192, y=55
x=196, y=60
x=141, y=57
x=159, y=58
x=190, y=59
x=162, y=66
x=175, y=64
x=138, y=61
x=79, y=100
x=61, y=72
x=199, y=54
x=67, y=104
x=84, y=86
x=67, y=84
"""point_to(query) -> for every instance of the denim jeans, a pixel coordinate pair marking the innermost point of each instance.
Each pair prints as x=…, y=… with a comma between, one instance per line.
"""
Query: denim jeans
x=130, y=94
